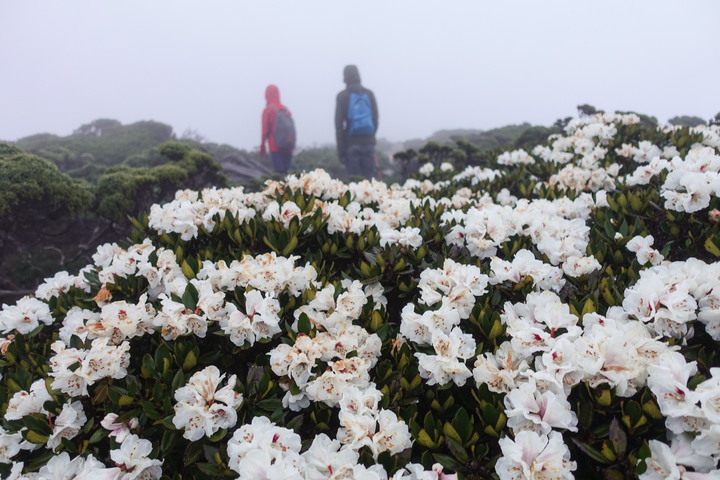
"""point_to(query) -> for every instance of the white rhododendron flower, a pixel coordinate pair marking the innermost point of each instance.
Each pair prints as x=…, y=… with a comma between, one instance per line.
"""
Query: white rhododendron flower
x=516, y=157
x=203, y=407
x=75, y=369
x=119, y=430
x=26, y=403
x=528, y=408
x=426, y=169
x=645, y=152
x=296, y=361
x=419, y=328
x=133, y=459
x=669, y=297
x=68, y=424
x=262, y=450
x=9, y=444
x=446, y=167
x=405, y=237
x=448, y=363
x=23, y=317
x=415, y=471
x=667, y=462
x=500, y=371
x=534, y=326
x=668, y=380
x=392, y=435
x=259, y=320
x=75, y=323
x=326, y=459
x=176, y=320
x=523, y=266
x=575, y=266
x=364, y=424
x=642, y=246
x=531, y=456
x=121, y=320
x=456, y=284
x=61, y=283
x=82, y=468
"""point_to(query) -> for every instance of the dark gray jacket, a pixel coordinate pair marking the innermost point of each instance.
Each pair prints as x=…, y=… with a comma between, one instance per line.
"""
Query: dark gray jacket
x=351, y=77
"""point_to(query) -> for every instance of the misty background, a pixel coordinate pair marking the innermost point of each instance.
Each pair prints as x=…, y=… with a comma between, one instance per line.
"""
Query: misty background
x=203, y=67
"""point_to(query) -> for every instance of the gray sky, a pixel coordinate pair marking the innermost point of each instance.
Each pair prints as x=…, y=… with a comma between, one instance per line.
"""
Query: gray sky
x=433, y=65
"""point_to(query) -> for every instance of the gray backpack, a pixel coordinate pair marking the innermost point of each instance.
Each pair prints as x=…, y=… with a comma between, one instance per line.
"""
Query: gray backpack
x=284, y=131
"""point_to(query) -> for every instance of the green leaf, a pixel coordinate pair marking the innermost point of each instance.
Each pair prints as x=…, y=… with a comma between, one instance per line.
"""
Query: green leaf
x=269, y=243
x=633, y=410
x=187, y=270
x=462, y=424
x=148, y=365
x=127, y=416
x=190, y=361
x=114, y=393
x=446, y=461
x=190, y=297
x=219, y=435
x=34, y=437
x=457, y=449
x=304, y=325
x=168, y=440
x=100, y=434
x=168, y=423
x=192, y=453
x=429, y=423
x=178, y=380
x=450, y=432
x=290, y=246
x=295, y=423
x=618, y=437
x=425, y=440
x=150, y=410
x=608, y=452
x=210, y=469
x=161, y=354
x=37, y=424
x=711, y=246
x=591, y=452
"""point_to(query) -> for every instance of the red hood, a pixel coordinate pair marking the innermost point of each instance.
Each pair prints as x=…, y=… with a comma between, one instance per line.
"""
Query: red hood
x=272, y=95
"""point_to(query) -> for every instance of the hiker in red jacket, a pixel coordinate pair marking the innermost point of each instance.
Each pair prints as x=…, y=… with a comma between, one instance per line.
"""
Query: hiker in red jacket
x=278, y=130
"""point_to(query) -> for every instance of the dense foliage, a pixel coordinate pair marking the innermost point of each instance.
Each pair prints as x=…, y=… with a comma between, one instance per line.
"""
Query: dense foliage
x=50, y=220
x=34, y=187
x=104, y=142
x=553, y=314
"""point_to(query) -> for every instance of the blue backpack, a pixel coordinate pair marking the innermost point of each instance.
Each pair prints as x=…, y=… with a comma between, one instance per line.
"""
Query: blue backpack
x=284, y=131
x=360, y=114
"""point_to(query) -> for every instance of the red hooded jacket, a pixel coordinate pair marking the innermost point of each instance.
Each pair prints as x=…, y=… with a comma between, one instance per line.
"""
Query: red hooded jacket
x=272, y=95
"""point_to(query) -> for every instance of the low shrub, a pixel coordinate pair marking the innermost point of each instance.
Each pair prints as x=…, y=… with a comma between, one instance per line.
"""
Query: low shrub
x=553, y=315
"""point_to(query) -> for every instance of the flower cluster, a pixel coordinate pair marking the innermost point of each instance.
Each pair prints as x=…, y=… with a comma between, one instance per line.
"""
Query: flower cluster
x=262, y=450
x=348, y=350
x=364, y=424
x=454, y=288
x=202, y=408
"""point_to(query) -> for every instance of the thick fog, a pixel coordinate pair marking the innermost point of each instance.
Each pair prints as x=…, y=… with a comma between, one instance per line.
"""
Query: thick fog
x=204, y=66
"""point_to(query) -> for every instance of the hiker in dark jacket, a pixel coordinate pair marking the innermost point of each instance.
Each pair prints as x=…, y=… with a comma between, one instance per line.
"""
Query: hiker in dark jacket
x=281, y=157
x=356, y=143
